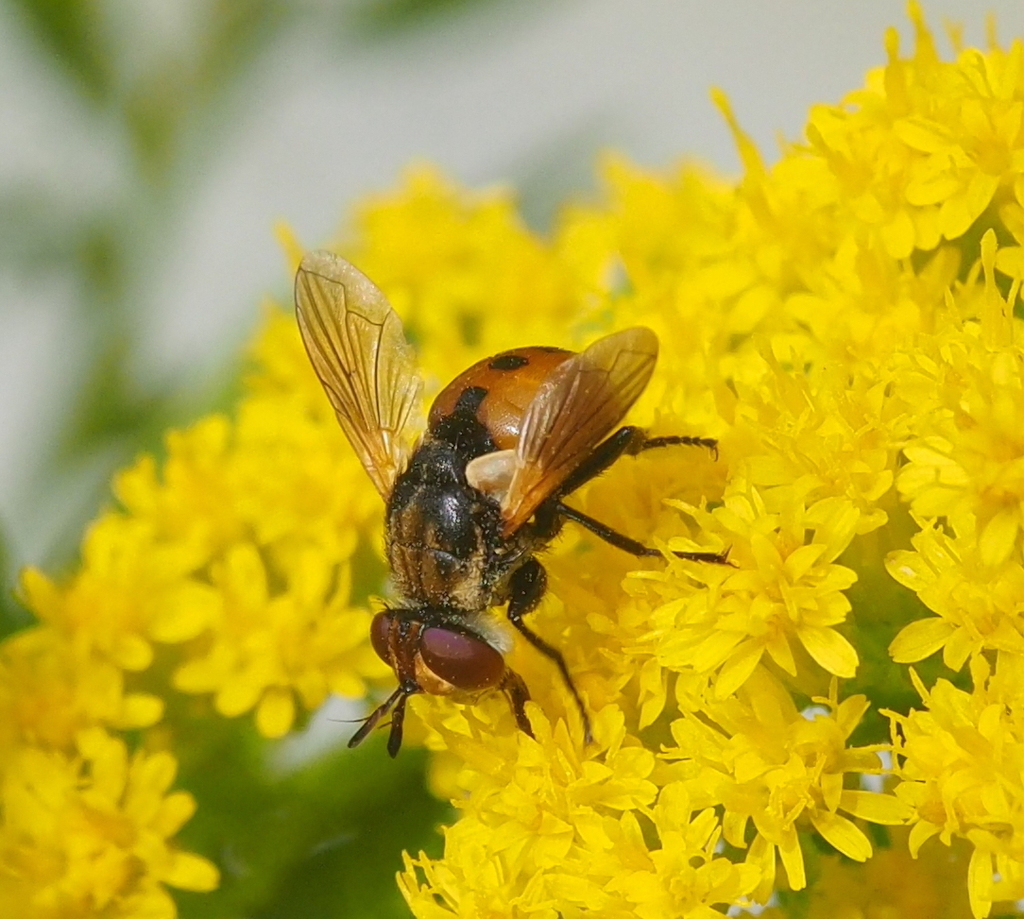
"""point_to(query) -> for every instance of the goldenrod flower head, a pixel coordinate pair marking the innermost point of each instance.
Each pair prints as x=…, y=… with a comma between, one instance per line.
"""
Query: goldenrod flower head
x=763, y=761
x=978, y=606
x=786, y=588
x=966, y=458
x=960, y=761
x=87, y=834
x=569, y=837
x=844, y=322
x=50, y=690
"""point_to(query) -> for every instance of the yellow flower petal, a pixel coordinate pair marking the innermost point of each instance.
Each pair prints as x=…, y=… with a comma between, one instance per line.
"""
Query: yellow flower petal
x=979, y=882
x=898, y=235
x=830, y=649
x=842, y=834
x=961, y=209
x=875, y=807
x=999, y=536
x=737, y=668
x=1010, y=261
x=920, y=639
x=140, y=710
x=276, y=713
x=793, y=859
x=191, y=872
x=184, y=611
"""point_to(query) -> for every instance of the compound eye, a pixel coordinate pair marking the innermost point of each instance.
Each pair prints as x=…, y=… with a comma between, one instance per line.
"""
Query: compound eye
x=380, y=629
x=465, y=662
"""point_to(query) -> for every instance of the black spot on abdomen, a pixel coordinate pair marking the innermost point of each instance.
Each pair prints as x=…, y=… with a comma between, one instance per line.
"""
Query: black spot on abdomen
x=462, y=429
x=470, y=400
x=508, y=362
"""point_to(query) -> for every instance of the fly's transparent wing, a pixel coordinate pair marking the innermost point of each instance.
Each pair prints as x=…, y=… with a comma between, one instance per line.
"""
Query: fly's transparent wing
x=358, y=349
x=574, y=410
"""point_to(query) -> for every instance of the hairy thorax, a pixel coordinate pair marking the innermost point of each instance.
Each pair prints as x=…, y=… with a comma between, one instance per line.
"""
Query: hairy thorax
x=443, y=536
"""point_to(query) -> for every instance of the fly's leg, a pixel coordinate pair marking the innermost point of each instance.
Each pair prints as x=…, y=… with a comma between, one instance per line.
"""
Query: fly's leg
x=626, y=441
x=397, y=720
x=617, y=539
x=518, y=695
x=526, y=588
x=402, y=639
x=395, y=703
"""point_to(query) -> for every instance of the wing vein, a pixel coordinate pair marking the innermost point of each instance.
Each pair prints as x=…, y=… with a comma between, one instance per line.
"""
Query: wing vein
x=356, y=346
x=584, y=399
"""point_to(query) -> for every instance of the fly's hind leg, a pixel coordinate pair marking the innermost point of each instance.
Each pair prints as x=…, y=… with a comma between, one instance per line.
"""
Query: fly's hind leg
x=526, y=588
x=620, y=541
x=626, y=441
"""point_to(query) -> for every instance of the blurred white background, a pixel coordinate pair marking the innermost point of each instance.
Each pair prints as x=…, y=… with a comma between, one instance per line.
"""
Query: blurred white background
x=330, y=105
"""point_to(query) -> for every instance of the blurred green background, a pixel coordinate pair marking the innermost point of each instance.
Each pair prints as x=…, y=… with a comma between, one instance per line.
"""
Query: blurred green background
x=146, y=149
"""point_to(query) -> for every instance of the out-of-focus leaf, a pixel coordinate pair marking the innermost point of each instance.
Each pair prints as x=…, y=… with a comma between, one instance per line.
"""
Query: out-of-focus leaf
x=323, y=841
x=559, y=169
x=382, y=18
x=175, y=96
x=109, y=407
x=101, y=254
x=235, y=33
x=153, y=111
x=73, y=34
x=13, y=616
x=37, y=232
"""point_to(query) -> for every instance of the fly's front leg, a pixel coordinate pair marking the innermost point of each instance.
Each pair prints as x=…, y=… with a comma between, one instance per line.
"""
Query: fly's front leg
x=526, y=588
x=397, y=720
x=395, y=703
x=518, y=695
x=402, y=640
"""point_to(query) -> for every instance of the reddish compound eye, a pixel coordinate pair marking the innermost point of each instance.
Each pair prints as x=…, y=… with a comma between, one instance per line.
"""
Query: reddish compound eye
x=465, y=662
x=379, y=630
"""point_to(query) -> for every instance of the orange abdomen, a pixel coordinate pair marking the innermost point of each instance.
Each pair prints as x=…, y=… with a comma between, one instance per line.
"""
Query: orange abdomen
x=508, y=381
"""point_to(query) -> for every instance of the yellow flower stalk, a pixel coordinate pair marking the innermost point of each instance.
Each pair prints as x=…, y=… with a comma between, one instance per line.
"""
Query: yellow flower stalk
x=846, y=322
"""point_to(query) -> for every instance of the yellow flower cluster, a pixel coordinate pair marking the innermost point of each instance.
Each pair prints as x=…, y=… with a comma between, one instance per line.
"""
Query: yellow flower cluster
x=228, y=573
x=845, y=323
x=962, y=775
